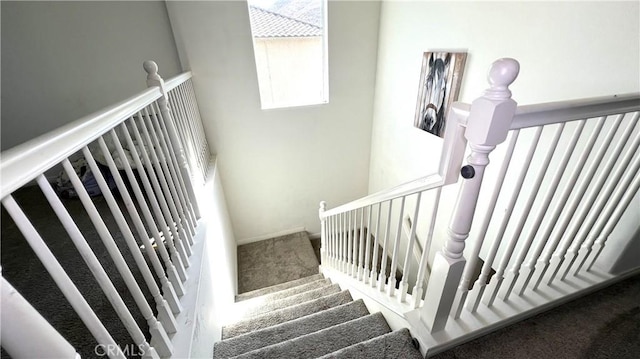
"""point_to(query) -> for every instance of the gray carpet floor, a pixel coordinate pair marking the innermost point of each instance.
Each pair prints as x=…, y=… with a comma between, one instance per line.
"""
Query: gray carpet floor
x=274, y=261
x=605, y=324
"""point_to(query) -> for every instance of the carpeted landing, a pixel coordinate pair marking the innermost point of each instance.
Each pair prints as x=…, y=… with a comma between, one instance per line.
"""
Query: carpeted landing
x=310, y=318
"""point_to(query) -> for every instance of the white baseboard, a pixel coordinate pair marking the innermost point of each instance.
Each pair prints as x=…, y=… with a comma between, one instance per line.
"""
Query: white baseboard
x=270, y=235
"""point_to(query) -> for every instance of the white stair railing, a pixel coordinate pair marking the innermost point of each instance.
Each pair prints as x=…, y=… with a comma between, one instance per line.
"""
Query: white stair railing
x=566, y=174
x=138, y=142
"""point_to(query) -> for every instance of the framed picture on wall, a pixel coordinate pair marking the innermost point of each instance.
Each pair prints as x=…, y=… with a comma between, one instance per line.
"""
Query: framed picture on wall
x=439, y=86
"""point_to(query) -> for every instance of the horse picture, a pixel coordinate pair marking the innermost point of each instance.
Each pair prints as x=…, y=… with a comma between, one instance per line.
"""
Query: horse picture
x=438, y=89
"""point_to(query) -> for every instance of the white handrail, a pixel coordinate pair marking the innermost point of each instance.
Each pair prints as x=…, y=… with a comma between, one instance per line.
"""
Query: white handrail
x=26, y=161
x=177, y=80
x=418, y=185
x=563, y=111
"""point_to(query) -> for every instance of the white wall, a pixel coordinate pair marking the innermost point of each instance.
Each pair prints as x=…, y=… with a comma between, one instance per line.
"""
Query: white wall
x=277, y=165
x=565, y=49
x=64, y=60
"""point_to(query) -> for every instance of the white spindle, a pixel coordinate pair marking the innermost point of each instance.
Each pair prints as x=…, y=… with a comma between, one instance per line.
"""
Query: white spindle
x=416, y=293
x=158, y=333
x=404, y=285
x=396, y=252
x=157, y=197
x=170, y=174
x=361, y=245
x=508, y=253
x=164, y=311
x=515, y=269
x=376, y=244
x=323, y=233
x=367, y=248
x=612, y=221
x=576, y=200
x=96, y=268
x=382, y=278
x=154, y=79
x=352, y=242
x=172, y=269
x=160, y=174
x=469, y=268
x=488, y=126
x=488, y=263
x=23, y=326
x=344, y=244
x=595, y=190
x=592, y=209
x=165, y=142
x=561, y=204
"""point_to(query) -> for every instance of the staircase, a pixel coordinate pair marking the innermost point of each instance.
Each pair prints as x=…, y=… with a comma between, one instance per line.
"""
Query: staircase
x=310, y=318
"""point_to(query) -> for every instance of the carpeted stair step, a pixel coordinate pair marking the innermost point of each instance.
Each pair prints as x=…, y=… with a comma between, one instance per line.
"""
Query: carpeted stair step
x=289, y=330
x=284, y=315
x=270, y=306
x=277, y=287
x=397, y=344
x=324, y=341
x=293, y=291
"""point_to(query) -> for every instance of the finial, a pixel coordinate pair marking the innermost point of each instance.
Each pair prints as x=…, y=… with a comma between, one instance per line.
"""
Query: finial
x=323, y=205
x=502, y=74
x=150, y=67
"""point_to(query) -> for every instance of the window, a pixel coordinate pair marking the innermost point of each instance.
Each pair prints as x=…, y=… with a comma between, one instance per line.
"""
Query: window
x=290, y=46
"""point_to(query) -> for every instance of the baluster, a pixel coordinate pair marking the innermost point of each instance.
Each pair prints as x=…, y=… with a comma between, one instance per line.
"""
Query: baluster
x=160, y=172
x=173, y=179
x=570, y=213
x=486, y=268
x=60, y=277
x=603, y=195
x=404, y=285
x=508, y=253
x=181, y=124
x=361, y=245
x=24, y=326
x=353, y=255
x=164, y=311
x=190, y=124
x=171, y=287
x=376, y=244
x=332, y=243
x=344, y=243
x=172, y=269
x=159, y=335
x=323, y=232
x=163, y=215
x=96, y=268
x=562, y=202
x=469, y=268
x=542, y=210
x=367, y=255
x=165, y=142
x=488, y=125
x=154, y=79
x=382, y=278
x=416, y=294
x=612, y=221
x=396, y=248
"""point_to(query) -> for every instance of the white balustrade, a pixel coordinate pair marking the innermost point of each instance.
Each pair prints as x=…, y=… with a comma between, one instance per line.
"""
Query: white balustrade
x=23, y=326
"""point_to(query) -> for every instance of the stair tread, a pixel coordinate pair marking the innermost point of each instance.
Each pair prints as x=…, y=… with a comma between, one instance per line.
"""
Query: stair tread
x=284, y=315
x=277, y=287
x=397, y=344
x=324, y=341
x=293, y=291
x=289, y=330
x=295, y=299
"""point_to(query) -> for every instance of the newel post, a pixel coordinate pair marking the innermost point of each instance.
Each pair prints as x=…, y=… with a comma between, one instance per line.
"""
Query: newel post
x=488, y=124
x=323, y=231
x=154, y=79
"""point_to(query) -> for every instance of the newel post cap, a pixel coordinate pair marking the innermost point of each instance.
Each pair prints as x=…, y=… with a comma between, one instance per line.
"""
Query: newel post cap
x=491, y=114
x=153, y=78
